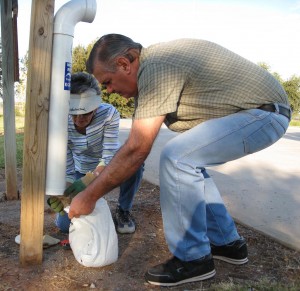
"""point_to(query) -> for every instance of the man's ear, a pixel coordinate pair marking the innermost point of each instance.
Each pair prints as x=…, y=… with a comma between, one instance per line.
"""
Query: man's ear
x=123, y=63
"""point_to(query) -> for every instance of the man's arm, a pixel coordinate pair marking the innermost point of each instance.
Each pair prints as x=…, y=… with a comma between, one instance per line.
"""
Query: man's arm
x=124, y=164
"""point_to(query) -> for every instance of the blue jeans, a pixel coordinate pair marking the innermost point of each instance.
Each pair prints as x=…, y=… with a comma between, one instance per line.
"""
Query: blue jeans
x=194, y=214
x=127, y=193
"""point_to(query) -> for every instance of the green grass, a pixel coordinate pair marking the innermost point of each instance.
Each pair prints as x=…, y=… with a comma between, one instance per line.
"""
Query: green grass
x=295, y=123
x=19, y=120
x=19, y=147
x=19, y=141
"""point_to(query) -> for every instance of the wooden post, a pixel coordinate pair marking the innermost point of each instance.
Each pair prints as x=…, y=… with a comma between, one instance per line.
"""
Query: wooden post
x=9, y=101
x=35, y=133
x=15, y=40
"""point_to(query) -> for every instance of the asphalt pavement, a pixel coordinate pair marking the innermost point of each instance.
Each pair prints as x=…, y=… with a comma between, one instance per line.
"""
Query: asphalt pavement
x=261, y=191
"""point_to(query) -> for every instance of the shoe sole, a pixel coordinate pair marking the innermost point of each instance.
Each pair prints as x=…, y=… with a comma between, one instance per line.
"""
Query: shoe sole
x=125, y=230
x=231, y=261
x=189, y=280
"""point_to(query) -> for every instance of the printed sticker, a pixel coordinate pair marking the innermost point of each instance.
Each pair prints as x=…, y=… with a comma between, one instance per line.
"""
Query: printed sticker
x=68, y=70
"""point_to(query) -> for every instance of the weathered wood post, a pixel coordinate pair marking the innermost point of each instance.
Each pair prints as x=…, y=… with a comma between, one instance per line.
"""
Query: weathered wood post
x=8, y=100
x=35, y=133
x=15, y=40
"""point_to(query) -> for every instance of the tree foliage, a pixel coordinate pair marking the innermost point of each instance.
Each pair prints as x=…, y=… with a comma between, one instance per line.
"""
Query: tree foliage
x=79, y=57
x=123, y=105
x=291, y=87
x=264, y=66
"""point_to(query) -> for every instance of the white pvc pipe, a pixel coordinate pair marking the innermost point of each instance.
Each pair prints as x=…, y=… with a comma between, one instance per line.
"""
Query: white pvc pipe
x=64, y=22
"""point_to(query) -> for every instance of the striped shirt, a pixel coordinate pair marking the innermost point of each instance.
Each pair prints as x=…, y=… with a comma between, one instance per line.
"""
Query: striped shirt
x=99, y=144
x=191, y=81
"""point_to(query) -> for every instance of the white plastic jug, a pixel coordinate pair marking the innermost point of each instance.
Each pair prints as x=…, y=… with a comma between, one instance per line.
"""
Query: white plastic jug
x=93, y=238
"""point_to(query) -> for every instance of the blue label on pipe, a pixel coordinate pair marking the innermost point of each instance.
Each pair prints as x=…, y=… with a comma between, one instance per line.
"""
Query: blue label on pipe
x=68, y=70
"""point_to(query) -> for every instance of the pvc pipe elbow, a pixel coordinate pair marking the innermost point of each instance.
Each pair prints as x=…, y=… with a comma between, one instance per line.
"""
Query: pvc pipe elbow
x=73, y=12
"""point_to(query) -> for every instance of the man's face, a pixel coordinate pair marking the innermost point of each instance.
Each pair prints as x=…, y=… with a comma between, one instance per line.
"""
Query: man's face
x=123, y=81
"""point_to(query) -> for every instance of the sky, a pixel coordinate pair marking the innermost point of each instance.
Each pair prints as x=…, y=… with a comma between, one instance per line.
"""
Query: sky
x=259, y=30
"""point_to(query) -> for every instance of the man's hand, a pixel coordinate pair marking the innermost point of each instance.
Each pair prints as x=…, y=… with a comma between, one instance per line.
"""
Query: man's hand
x=79, y=185
x=81, y=205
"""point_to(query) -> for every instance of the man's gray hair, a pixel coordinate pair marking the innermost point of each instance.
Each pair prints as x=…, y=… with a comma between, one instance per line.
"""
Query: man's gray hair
x=108, y=48
x=81, y=82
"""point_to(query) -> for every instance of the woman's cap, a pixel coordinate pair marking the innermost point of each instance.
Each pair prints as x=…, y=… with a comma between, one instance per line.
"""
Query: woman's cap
x=84, y=102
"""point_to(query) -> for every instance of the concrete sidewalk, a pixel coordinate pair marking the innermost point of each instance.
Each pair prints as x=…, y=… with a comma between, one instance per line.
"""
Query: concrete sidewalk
x=261, y=191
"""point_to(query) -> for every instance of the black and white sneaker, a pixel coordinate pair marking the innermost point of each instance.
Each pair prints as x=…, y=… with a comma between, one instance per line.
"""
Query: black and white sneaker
x=234, y=253
x=175, y=272
x=124, y=221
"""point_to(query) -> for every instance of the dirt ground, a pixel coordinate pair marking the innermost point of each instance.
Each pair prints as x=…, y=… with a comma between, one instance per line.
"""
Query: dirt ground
x=270, y=264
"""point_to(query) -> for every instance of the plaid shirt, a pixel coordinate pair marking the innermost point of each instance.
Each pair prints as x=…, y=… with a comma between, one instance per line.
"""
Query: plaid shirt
x=191, y=81
x=99, y=144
